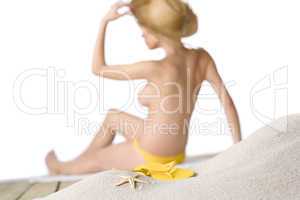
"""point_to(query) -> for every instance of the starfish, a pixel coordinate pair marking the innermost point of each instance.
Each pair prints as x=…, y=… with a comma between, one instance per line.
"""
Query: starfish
x=131, y=180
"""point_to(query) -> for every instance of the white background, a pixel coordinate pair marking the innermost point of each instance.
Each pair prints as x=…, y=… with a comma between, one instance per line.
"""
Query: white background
x=46, y=46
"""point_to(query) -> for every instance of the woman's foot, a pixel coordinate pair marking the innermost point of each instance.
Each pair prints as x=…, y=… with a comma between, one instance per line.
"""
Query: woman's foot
x=53, y=163
x=79, y=165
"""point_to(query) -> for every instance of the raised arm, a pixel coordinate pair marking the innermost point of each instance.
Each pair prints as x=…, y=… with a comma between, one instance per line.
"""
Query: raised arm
x=213, y=77
x=138, y=70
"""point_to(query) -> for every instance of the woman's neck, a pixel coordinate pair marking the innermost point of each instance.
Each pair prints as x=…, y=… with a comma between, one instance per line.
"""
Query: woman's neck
x=173, y=48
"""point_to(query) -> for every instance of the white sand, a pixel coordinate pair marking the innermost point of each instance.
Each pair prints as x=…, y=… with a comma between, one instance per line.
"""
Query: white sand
x=266, y=165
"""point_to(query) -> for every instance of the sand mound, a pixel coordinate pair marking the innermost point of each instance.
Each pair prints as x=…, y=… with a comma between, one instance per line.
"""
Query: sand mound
x=266, y=165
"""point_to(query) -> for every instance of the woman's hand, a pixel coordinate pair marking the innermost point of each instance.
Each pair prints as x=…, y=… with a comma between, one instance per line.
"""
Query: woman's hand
x=113, y=12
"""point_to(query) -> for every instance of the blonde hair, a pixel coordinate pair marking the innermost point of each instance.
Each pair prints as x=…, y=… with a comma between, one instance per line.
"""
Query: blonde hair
x=172, y=18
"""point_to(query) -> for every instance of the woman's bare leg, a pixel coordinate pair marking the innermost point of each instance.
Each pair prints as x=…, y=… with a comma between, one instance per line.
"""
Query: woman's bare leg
x=129, y=125
x=120, y=156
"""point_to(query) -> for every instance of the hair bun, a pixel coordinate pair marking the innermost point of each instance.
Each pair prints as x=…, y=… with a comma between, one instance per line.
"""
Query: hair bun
x=190, y=25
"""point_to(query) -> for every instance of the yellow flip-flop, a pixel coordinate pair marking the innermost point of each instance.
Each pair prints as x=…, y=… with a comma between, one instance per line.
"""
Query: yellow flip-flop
x=166, y=171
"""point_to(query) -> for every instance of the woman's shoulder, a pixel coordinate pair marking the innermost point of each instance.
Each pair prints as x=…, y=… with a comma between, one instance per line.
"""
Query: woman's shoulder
x=203, y=55
x=201, y=51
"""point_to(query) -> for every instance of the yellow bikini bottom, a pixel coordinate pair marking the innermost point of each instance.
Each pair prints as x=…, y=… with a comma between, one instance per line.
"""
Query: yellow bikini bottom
x=161, y=167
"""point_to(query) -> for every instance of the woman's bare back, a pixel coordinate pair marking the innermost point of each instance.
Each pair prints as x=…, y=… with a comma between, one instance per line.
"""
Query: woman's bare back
x=170, y=98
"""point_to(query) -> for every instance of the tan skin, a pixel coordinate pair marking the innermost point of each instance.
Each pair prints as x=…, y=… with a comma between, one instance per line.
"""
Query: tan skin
x=170, y=95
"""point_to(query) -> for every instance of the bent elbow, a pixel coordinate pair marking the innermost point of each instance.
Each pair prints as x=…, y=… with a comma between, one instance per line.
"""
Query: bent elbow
x=95, y=72
x=98, y=68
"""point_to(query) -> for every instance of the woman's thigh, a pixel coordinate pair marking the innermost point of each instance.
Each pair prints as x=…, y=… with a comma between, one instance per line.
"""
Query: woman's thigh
x=129, y=125
x=120, y=156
